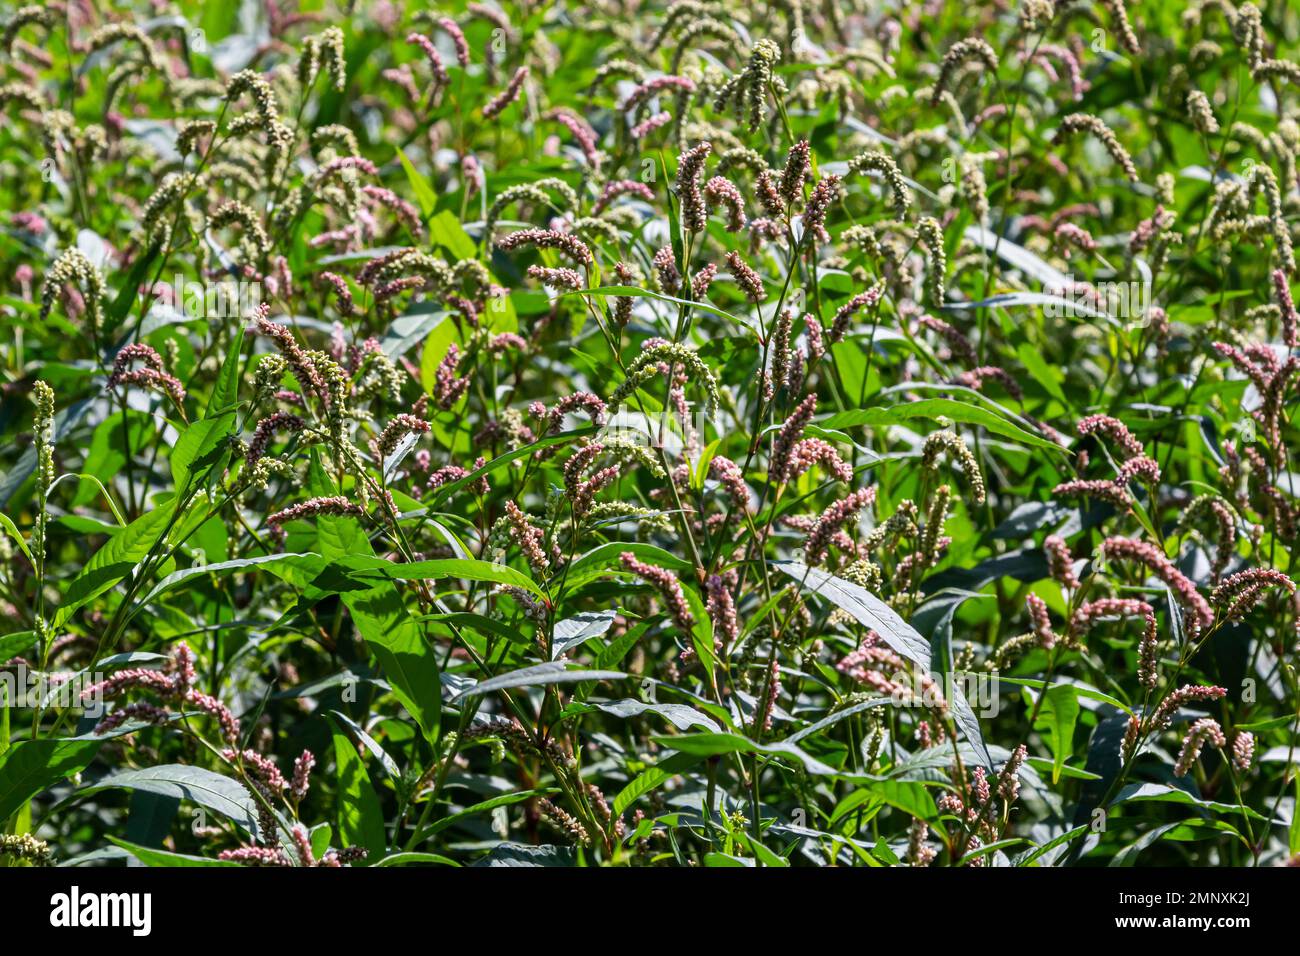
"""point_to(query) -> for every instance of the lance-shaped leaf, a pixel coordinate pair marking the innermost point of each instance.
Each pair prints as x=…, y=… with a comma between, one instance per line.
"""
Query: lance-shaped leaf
x=32, y=766
x=538, y=675
x=869, y=611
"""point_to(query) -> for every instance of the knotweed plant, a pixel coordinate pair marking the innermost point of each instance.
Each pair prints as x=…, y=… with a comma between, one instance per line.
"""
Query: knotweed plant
x=671, y=434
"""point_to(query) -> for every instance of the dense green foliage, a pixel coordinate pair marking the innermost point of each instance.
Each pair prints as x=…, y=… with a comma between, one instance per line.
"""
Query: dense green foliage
x=629, y=433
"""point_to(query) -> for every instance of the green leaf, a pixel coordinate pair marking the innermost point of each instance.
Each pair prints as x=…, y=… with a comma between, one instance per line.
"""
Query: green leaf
x=572, y=632
x=465, y=568
x=358, y=734
x=1029, y=856
x=836, y=717
x=321, y=835
x=6, y=523
x=1044, y=374
x=16, y=644
x=653, y=778
x=524, y=854
x=934, y=409
x=502, y=800
x=484, y=625
x=150, y=856
x=712, y=745
x=701, y=633
x=115, y=560
x=416, y=859
x=29, y=767
x=380, y=615
x=1272, y=723
x=1293, y=832
x=121, y=306
x=870, y=611
x=679, y=715
x=1073, y=773
x=408, y=660
x=360, y=817
x=911, y=796
x=618, y=648
x=213, y=791
x=538, y=675
x=1129, y=854
x=988, y=849
x=596, y=562
x=199, y=448
x=225, y=391
x=94, y=480
x=1057, y=716
x=338, y=536
x=700, y=469
x=446, y=231
x=1005, y=300
x=286, y=566
x=1081, y=689
x=761, y=853
x=436, y=344
x=20, y=304
x=1163, y=793
x=424, y=193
